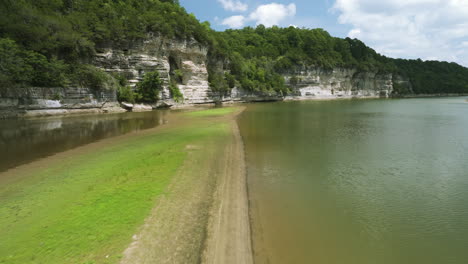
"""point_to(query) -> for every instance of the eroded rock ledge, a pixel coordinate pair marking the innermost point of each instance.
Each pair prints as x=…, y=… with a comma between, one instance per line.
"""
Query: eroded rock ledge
x=190, y=58
x=39, y=101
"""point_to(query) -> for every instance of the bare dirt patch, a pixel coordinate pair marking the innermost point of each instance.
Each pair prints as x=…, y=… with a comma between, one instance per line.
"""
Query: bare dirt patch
x=203, y=217
x=229, y=239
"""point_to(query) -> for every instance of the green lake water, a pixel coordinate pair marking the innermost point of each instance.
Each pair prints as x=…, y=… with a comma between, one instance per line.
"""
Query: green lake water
x=358, y=181
x=25, y=140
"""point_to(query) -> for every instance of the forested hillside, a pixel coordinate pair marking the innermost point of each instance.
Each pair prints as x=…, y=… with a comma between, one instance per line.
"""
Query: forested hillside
x=434, y=76
x=258, y=55
x=51, y=42
x=48, y=43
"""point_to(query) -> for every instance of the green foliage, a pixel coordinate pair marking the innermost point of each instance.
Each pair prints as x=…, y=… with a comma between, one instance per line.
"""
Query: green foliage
x=44, y=42
x=292, y=47
x=148, y=89
x=120, y=78
x=125, y=94
x=48, y=42
x=294, y=80
x=429, y=77
x=13, y=68
x=257, y=55
x=218, y=83
x=72, y=26
x=86, y=207
x=218, y=111
x=178, y=75
x=175, y=92
x=86, y=75
x=46, y=72
x=230, y=79
x=399, y=89
x=22, y=67
x=56, y=96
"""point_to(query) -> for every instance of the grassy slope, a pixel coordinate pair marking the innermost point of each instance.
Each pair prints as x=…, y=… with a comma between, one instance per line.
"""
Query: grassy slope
x=84, y=208
x=212, y=112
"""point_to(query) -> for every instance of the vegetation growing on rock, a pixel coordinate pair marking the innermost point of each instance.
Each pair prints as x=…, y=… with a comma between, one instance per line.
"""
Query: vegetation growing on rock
x=176, y=94
x=257, y=55
x=126, y=94
x=147, y=91
x=52, y=44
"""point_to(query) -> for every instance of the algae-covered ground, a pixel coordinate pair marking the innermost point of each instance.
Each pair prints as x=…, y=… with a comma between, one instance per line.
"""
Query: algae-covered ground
x=220, y=111
x=84, y=205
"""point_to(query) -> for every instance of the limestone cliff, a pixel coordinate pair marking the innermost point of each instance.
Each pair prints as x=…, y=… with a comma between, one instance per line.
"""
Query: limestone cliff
x=188, y=59
x=39, y=101
x=319, y=83
x=134, y=59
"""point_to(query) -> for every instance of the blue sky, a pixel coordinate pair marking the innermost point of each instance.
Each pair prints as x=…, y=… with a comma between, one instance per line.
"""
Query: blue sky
x=426, y=29
x=309, y=13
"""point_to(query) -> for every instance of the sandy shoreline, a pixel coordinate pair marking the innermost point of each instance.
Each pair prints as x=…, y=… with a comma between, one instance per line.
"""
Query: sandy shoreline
x=229, y=235
x=204, y=217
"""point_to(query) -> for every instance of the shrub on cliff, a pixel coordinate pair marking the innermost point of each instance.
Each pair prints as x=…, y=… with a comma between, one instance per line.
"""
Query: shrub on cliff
x=434, y=76
x=256, y=55
x=88, y=76
x=293, y=80
x=147, y=90
x=125, y=94
x=176, y=94
x=218, y=83
x=45, y=42
x=28, y=68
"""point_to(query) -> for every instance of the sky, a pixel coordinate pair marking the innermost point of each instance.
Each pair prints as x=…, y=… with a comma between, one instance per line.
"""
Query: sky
x=425, y=29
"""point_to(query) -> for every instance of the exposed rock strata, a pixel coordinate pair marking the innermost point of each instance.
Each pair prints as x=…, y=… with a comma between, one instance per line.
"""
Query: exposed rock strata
x=319, y=83
x=189, y=59
x=134, y=59
x=36, y=101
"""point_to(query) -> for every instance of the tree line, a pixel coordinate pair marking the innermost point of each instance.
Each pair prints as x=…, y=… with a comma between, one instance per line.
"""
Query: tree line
x=52, y=43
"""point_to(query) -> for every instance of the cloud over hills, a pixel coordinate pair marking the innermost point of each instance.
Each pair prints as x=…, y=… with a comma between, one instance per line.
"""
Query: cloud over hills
x=267, y=14
x=233, y=5
x=427, y=29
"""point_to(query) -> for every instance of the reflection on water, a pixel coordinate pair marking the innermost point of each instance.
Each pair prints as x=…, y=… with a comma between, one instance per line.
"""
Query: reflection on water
x=24, y=140
x=374, y=181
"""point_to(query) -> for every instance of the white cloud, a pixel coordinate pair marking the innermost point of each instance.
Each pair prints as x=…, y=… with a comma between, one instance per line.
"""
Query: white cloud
x=234, y=21
x=233, y=5
x=272, y=14
x=354, y=33
x=426, y=29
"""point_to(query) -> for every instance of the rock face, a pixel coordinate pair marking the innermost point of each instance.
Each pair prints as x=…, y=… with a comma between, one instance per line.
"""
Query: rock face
x=240, y=95
x=187, y=57
x=186, y=61
x=319, y=83
x=37, y=101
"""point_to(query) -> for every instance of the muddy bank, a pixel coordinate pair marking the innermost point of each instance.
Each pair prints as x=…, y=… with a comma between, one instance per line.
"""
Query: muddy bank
x=229, y=235
x=431, y=95
x=204, y=215
x=174, y=176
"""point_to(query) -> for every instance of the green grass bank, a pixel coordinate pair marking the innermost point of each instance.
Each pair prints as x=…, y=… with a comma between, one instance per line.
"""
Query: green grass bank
x=84, y=205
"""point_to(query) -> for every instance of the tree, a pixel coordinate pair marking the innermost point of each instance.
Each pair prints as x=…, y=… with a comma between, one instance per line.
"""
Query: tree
x=148, y=89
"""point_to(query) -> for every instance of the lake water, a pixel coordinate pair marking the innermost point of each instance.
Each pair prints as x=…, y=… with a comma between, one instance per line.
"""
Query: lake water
x=358, y=181
x=25, y=140
x=335, y=182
